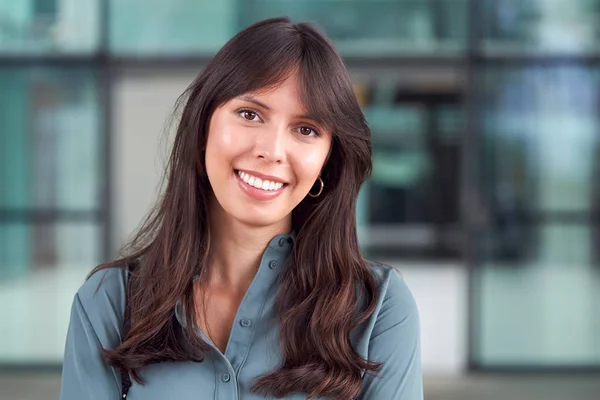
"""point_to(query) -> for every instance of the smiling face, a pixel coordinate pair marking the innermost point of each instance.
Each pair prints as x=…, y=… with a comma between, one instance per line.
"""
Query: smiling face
x=263, y=154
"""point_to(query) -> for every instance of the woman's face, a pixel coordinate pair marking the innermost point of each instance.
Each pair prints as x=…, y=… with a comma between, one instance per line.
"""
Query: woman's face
x=263, y=154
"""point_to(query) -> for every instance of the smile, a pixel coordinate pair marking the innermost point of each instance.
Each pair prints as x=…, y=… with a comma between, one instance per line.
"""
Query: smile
x=258, y=183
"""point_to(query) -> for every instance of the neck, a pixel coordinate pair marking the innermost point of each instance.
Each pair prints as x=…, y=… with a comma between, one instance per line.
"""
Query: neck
x=236, y=248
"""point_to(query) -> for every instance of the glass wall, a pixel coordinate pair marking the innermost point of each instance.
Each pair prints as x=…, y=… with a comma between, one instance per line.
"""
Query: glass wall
x=539, y=279
x=410, y=206
x=536, y=279
x=49, y=26
x=540, y=26
x=378, y=27
x=171, y=28
x=51, y=182
x=532, y=147
x=372, y=28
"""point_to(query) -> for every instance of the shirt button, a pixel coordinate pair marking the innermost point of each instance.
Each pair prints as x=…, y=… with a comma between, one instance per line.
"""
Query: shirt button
x=273, y=264
x=225, y=377
x=282, y=242
x=245, y=322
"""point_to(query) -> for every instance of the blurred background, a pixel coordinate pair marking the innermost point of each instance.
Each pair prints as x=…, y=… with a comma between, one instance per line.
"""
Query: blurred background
x=485, y=192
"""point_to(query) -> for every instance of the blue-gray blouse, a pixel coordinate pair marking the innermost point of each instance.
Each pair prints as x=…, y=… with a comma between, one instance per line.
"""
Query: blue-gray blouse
x=390, y=335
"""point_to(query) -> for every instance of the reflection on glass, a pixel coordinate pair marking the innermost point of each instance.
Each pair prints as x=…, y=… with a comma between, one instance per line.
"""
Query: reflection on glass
x=376, y=27
x=26, y=249
x=536, y=288
x=357, y=27
x=401, y=179
x=540, y=140
x=49, y=127
x=50, y=162
x=410, y=204
x=171, y=27
x=542, y=311
x=541, y=26
x=43, y=265
x=49, y=26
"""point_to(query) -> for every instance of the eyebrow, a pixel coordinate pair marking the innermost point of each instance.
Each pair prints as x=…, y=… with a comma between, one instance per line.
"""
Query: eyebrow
x=252, y=99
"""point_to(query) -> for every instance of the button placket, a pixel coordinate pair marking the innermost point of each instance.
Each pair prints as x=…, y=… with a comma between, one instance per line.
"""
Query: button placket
x=250, y=309
x=240, y=336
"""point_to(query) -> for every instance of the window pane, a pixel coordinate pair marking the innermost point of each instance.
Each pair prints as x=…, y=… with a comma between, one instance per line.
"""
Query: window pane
x=410, y=204
x=49, y=26
x=540, y=143
x=376, y=27
x=541, y=26
x=358, y=27
x=402, y=169
x=43, y=265
x=171, y=27
x=536, y=286
x=49, y=126
x=539, y=310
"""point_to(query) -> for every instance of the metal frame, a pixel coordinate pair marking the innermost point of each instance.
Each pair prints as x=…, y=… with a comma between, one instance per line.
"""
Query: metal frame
x=30, y=368
x=469, y=199
x=105, y=96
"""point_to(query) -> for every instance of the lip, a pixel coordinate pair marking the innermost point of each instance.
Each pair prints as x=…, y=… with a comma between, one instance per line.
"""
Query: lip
x=258, y=194
x=261, y=176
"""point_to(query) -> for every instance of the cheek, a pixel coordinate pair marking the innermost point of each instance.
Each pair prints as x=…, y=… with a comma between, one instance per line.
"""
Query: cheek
x=220, y=147
x=309, y=165
x=224, y=138
x=218, y=138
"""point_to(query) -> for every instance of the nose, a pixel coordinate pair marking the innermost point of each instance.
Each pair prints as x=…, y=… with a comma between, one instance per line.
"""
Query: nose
x=270, y=143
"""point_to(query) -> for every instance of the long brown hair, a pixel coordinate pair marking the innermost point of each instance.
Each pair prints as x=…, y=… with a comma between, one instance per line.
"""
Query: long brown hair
x=326, y=278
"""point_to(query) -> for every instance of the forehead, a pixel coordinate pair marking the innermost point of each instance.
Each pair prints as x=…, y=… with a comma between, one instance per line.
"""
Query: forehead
x=284, y=93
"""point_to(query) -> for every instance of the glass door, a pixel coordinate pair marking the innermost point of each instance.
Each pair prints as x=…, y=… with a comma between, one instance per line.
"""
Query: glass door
x=536, y=285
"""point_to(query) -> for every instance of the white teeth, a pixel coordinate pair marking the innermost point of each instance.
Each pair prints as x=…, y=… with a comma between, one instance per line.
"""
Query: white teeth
x=259, y=183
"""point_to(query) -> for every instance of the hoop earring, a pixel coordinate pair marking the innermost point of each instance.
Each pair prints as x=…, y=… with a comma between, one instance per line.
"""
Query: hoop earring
x=320, y=189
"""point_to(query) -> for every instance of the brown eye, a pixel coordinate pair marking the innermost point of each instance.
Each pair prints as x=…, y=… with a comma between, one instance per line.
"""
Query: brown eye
x=248, y=115
x=306, y=131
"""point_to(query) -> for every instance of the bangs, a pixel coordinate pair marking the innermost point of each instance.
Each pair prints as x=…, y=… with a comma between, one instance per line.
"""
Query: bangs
x=261, y=59
x=326, y=88
x=257, y=61
x=321, y=94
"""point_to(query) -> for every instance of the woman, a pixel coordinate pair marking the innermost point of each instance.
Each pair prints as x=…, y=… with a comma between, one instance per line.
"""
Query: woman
x=247, y=280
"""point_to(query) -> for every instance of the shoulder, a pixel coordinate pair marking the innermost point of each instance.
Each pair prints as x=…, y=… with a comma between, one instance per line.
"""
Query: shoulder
x=391, y=284
x=393, y=339
x=104, y=285
x=396, y=303
x=102, y=299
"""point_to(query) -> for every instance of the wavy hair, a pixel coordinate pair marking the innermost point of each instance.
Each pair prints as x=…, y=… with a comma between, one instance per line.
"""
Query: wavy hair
x=327, y=277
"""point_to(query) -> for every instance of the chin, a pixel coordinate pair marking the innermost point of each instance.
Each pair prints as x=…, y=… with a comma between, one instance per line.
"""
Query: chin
x=258, y=219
